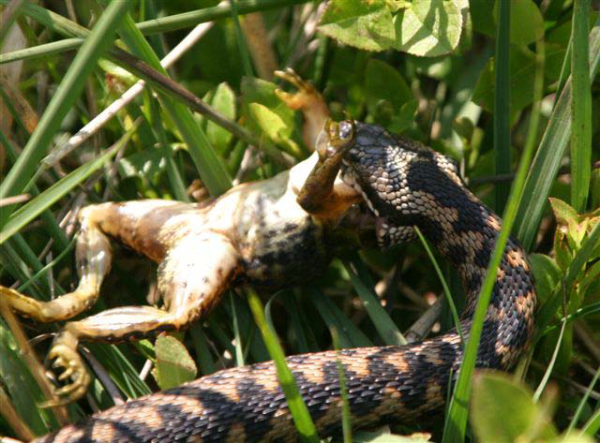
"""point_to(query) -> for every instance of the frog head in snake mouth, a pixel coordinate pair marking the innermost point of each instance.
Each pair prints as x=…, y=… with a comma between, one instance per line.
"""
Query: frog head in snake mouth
x=403, y=182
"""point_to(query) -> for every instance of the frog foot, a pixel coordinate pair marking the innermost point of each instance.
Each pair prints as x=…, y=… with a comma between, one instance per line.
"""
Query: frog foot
x=65, y=356
x=308, y=100
x=297, y=100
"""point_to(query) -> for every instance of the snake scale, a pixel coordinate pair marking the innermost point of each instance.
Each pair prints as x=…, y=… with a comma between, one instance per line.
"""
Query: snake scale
x=405, y=184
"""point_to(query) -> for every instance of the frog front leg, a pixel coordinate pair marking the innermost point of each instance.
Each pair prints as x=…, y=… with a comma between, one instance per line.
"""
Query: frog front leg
x=191, y=279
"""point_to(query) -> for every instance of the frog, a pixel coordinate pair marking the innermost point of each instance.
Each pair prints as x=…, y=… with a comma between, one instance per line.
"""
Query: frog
x=268, y=234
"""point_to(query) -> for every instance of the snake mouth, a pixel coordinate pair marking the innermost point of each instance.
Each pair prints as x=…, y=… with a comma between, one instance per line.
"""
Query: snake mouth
x=382, y=228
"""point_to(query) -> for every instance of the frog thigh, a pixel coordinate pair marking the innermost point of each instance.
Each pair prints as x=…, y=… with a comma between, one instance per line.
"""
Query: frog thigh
x=195, y=273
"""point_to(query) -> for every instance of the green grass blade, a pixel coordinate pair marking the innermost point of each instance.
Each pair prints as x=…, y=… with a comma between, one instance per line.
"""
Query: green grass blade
x=350, y=336
x=62, y=101
x=550, y=153
x=581, y=104
x=583, y=402
x=548, y=372
x=449, y=299
x=50, y=223
x=592, y=426
x=45, y=50
x=35, y=207
x=241, y=40
x=502, y=104
x=211, y=169
x=298, y=409
x=387, y=329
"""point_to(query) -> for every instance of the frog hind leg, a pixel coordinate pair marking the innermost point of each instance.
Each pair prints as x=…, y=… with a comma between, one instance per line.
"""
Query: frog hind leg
x=93, y=257
x=191, y=279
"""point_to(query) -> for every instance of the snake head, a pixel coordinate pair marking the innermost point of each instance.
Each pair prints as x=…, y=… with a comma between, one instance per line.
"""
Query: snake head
x=403, y=182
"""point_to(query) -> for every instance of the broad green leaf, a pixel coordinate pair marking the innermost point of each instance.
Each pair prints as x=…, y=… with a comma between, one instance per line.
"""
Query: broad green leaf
x=174, y=365
x=494, y=396
x=483, y=16
x=563, y=212
x=223, y=101
x=259, y=91
x=405, y=117
x=363, y=24
x=384, y=82
x=526, y=21
x=428, y=28
x=274, y=127
x=522, y=72
x=547, y=274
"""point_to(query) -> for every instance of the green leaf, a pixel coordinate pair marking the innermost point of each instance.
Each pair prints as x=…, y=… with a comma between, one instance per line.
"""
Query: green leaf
x=494, y=396
x=384, y=82
x=563, y=212
x=20, y=384
x=259, y=91
x=51, y=195
x=387, y=329
x=274, y=127
x=405, y=117
x=350, y=335
x=484, y=20
x=547, y=274
x=428, y=28
x=526, y=21
x=522, y=74
x=365, y=25
x=223, y=101
x=174, y=365
x=210, y=166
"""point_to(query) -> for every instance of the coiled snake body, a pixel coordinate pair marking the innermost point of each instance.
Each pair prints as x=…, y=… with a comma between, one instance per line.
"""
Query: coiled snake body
x=405, y=184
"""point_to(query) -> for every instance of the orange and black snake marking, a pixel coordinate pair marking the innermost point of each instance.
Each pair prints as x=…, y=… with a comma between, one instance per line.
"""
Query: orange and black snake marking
x=406, y=185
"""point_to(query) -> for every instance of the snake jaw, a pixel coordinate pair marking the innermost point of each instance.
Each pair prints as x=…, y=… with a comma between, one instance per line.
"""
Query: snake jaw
x=382, y=228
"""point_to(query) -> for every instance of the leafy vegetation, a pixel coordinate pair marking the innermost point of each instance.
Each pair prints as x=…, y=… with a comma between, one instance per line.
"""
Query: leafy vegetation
x=504, y=91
